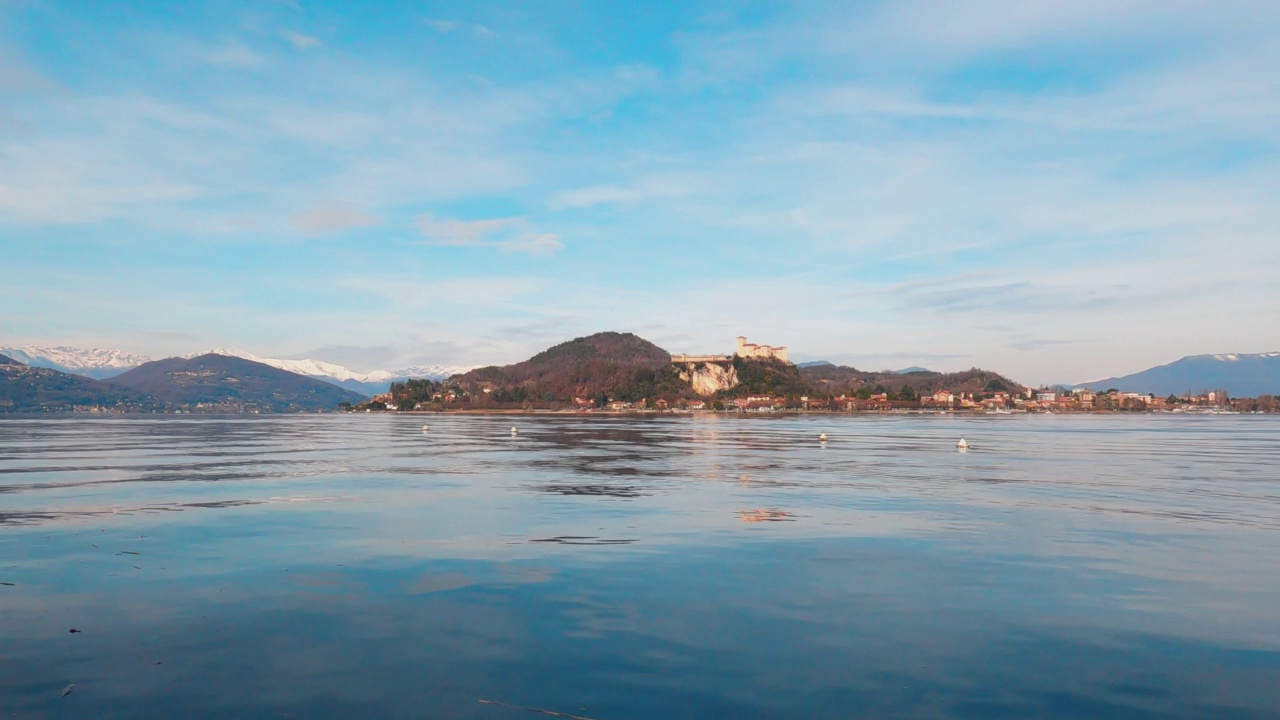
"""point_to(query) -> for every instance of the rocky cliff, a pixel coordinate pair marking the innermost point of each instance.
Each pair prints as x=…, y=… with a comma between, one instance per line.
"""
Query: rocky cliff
x=709, y=378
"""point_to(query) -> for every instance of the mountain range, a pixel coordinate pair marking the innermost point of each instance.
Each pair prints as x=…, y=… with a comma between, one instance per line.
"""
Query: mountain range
x=101, y=364
x=207, y=383
x=24, y=388
x=232, y=384
x=1241, y=375
x=95, y=363
x=615, y=365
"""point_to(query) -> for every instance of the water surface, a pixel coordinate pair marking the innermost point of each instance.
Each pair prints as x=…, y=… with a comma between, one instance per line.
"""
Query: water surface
x=355, y=566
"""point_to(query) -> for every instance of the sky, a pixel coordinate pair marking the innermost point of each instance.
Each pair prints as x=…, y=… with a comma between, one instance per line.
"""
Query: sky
x=1059, y=190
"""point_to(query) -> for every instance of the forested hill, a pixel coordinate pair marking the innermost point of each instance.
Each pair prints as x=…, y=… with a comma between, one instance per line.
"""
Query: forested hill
x=617, y=365
x=840, y=379
x=25, y=389
x=231, y=384
x=611, y=366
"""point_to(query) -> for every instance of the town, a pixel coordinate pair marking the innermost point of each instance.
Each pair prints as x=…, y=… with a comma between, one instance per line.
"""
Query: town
x=760, y=380
x=1029, y=400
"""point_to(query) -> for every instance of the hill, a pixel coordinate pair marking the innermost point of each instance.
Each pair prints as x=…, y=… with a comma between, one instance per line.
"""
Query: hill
x=767, y=376
x=1240, y=375
x=25, y=389
x=220, y=383
x=620, y=366
x=841, y=379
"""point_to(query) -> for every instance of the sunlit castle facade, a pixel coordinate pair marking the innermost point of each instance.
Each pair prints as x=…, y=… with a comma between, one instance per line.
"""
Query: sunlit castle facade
x=751, y=350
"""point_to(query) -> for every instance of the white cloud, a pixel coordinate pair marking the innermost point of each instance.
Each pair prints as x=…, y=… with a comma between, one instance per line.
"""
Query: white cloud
x=233, y=56
x=444, y=26
x=645, y=188
x=536, y=243
x=595, y=195
x=448, y=27
x=449, y=231
x=333, y=217
x=300, y=41
x=507, y=234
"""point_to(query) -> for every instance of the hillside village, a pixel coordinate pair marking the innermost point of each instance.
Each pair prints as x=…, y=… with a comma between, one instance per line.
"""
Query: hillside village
x=616, y=373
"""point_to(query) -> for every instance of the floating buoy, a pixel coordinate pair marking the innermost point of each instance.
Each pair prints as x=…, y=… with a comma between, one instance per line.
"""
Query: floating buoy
x=962, y=445
x=426, y=428
x=822, y=437
x=514, y=431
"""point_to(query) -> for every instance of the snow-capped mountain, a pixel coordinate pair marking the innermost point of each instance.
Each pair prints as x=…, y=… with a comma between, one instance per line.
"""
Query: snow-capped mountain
x=370, y=383
x=96, y=363
x=314, y=368
x=431, y=372
x=1237, y=373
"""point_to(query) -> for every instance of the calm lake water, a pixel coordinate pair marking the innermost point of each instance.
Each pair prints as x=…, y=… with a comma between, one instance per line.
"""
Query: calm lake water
x=351, y=567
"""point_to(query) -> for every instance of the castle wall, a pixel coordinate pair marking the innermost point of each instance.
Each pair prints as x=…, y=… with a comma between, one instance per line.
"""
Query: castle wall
x=682, y=358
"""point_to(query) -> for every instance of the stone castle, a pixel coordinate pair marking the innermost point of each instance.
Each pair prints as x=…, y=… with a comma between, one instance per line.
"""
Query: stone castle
x=745, y=349
x=710, y=374
x=751, y=350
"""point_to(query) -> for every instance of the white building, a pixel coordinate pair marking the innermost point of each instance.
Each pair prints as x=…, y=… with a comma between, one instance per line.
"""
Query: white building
x=751, y=350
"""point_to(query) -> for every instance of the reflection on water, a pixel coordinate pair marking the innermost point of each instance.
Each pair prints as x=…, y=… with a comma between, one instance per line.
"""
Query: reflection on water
x=338, y=567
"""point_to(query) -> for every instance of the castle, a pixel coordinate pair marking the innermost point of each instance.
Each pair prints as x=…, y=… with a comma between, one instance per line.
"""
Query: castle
x=745, y=349
x=751, y=350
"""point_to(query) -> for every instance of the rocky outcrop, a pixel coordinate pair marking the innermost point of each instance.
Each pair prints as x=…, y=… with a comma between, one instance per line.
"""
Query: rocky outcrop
x=707, y=378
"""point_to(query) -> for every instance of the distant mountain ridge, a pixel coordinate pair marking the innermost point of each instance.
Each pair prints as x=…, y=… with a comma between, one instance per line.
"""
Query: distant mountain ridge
x=1240, y=374
x=101, y=364
x=370, y=383
x=27, y=389
x=233, y=384
x=96, y=363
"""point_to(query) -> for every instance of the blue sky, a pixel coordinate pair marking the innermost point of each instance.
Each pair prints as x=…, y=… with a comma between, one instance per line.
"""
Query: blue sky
x=1056, y=190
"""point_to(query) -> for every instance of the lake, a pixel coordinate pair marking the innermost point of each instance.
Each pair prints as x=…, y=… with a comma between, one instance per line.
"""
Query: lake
x=616, y=568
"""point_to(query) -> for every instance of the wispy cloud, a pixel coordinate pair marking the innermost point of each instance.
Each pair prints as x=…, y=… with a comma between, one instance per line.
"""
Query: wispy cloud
x=536, y=243
x=232, y=56
x=446, y=27
x=450, y=231
x=300, y=41
x=1034, y=187
x=333, y=217
x=508, y=234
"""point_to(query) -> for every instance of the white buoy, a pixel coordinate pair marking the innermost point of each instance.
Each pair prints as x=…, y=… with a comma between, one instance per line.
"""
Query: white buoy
x=962, y=445
x=822, y=437
x=514, y=431
x=426, y=428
